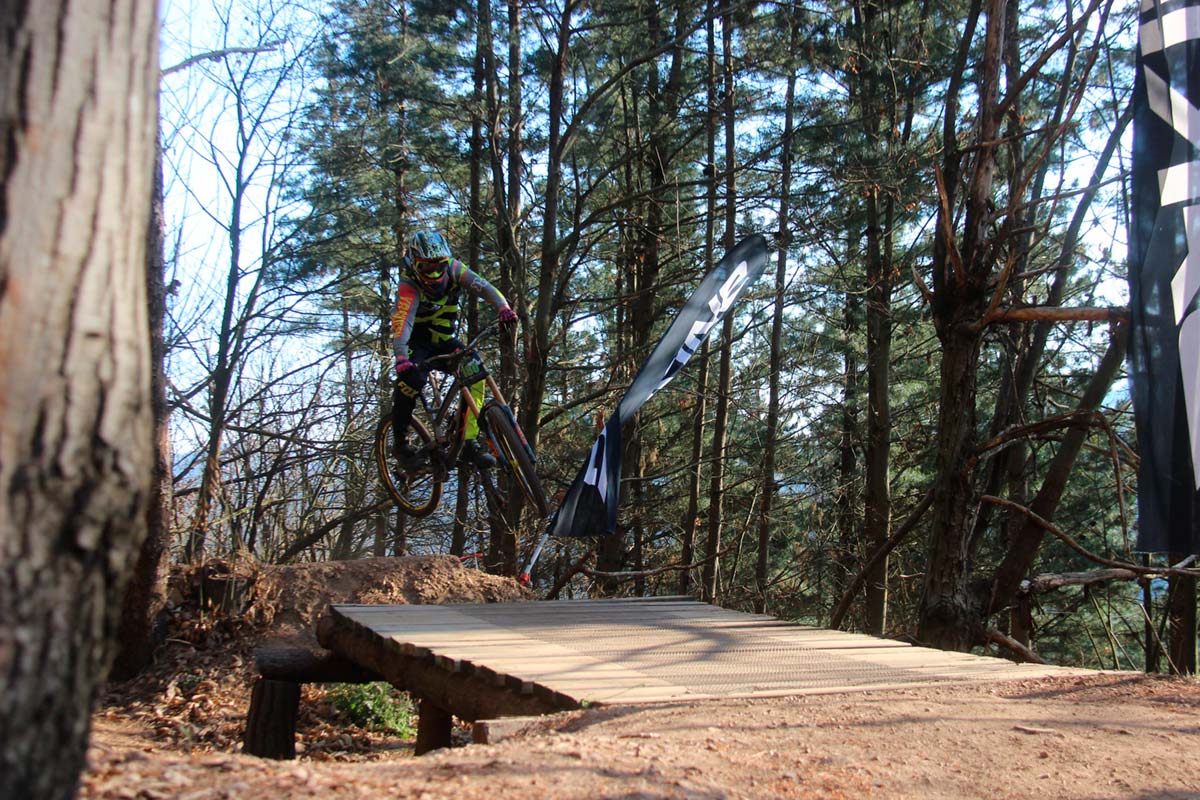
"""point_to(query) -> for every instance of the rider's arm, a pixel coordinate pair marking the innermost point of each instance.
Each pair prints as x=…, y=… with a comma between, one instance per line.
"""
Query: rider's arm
x=408, y=297
x=477, y=285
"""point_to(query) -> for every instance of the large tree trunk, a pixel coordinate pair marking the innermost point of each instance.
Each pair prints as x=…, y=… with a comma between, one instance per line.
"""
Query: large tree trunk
x=877, y=505
x=877, y=497
x=145, y=597
x=846, y=500
x=537, y=359
x=951, y=614
x=691, y=520
x=1181, y=612
x=691, y=524
x=77, y=142
x=462, y=499
x=949, y=618
x=506, y=196
x=390, y=522
x=725, y=368
x=765, y=521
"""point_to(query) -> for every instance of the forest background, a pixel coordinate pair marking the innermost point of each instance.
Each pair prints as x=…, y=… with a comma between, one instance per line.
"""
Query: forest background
x=916, y=424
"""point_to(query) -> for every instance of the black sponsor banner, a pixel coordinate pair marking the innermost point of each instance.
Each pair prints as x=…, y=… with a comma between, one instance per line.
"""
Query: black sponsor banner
x=1164, y=275
x=590, y=506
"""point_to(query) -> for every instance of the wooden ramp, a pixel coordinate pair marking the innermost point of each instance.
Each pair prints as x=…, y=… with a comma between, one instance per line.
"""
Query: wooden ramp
x=481, y=661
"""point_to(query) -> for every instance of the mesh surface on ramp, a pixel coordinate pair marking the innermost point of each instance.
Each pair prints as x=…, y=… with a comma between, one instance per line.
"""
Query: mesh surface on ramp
x=648, y=650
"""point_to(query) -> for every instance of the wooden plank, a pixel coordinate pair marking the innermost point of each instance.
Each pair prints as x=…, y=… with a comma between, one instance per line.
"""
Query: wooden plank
x=551, y=627
x=552, y=623
x=666, y=650
x=573, y=607
x=524, y=670
x=571, y=604
x=696, y=612
x=493, y=731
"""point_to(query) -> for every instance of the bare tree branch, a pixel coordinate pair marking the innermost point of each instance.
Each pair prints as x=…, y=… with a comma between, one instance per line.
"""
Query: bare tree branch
x=1054, y=530
x=217, y=55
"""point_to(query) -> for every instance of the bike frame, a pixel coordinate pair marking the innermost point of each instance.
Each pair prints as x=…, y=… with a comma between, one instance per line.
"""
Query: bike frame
x=439, y=412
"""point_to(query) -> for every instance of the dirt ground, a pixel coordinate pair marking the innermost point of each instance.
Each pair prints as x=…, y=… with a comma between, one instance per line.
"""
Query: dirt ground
x=175, y=733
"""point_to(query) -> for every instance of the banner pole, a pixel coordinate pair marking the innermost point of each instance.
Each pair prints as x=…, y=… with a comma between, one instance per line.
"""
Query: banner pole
x=537, y=552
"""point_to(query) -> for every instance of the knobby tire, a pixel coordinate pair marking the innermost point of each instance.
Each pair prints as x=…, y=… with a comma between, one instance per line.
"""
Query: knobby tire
x=417, y=493
x=514, y=452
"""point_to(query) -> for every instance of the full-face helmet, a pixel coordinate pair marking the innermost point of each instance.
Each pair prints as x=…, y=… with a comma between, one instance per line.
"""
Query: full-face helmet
x=429, y=258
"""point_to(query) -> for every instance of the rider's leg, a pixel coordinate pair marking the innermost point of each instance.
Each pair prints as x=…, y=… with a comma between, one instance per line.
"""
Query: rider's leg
x=404, y=400
x=471, y=429
x=408, y=388
x=472, y=370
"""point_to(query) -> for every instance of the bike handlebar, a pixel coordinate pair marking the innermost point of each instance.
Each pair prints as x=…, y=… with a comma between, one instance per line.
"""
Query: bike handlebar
x=488, y=330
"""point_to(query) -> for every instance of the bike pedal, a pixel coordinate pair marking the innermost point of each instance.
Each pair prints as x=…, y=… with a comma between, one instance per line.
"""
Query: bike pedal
x=473, y=454
x=409, y=460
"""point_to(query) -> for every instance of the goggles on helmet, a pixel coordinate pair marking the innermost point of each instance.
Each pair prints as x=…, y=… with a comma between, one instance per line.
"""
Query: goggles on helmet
x=431, y=269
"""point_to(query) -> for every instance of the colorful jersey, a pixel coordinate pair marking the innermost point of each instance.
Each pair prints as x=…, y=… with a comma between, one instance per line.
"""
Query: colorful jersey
x=418, y=310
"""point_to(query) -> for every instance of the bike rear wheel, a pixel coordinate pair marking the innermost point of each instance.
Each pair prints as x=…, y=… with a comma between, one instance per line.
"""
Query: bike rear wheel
x=512, y=448
x=417, y=491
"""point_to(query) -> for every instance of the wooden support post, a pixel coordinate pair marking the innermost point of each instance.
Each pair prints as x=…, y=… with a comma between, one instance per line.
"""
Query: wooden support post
x=275, y=699
x=433, y=727
x=271, y=721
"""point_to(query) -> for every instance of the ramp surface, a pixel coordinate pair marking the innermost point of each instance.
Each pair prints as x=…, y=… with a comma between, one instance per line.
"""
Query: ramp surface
x=647, y=650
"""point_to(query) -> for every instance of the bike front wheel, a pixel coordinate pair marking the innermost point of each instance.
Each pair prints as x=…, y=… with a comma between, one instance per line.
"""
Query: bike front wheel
x=419, y=490
x=512, y=448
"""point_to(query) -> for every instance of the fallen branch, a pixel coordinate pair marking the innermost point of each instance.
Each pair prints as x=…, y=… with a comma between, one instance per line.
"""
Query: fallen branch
x=646, y=573
x=571, y=572
x=1011, y=644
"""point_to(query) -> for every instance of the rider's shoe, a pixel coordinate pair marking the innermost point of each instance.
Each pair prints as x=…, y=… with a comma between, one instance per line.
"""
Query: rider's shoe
x=408, y=459
x=476, y=454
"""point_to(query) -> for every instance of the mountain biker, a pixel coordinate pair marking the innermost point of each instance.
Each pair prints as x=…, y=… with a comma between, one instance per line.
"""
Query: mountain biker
x=423, y=325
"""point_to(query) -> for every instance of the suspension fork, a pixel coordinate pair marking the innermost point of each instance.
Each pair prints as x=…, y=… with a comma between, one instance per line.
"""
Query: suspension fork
x=493, y=387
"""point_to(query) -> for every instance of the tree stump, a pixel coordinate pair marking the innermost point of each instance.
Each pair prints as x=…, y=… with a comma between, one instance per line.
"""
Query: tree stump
x=271, y=720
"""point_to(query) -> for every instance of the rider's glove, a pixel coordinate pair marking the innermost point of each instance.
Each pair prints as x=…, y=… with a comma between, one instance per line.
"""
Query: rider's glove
x=508, y=317
x=403, y=365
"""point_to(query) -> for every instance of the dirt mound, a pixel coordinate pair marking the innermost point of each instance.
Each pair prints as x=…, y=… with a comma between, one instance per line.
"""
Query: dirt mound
x=195, y=695
x=291, y=598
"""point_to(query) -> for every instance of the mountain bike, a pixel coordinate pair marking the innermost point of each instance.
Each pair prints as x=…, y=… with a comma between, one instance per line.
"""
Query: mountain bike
x=436, y=437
